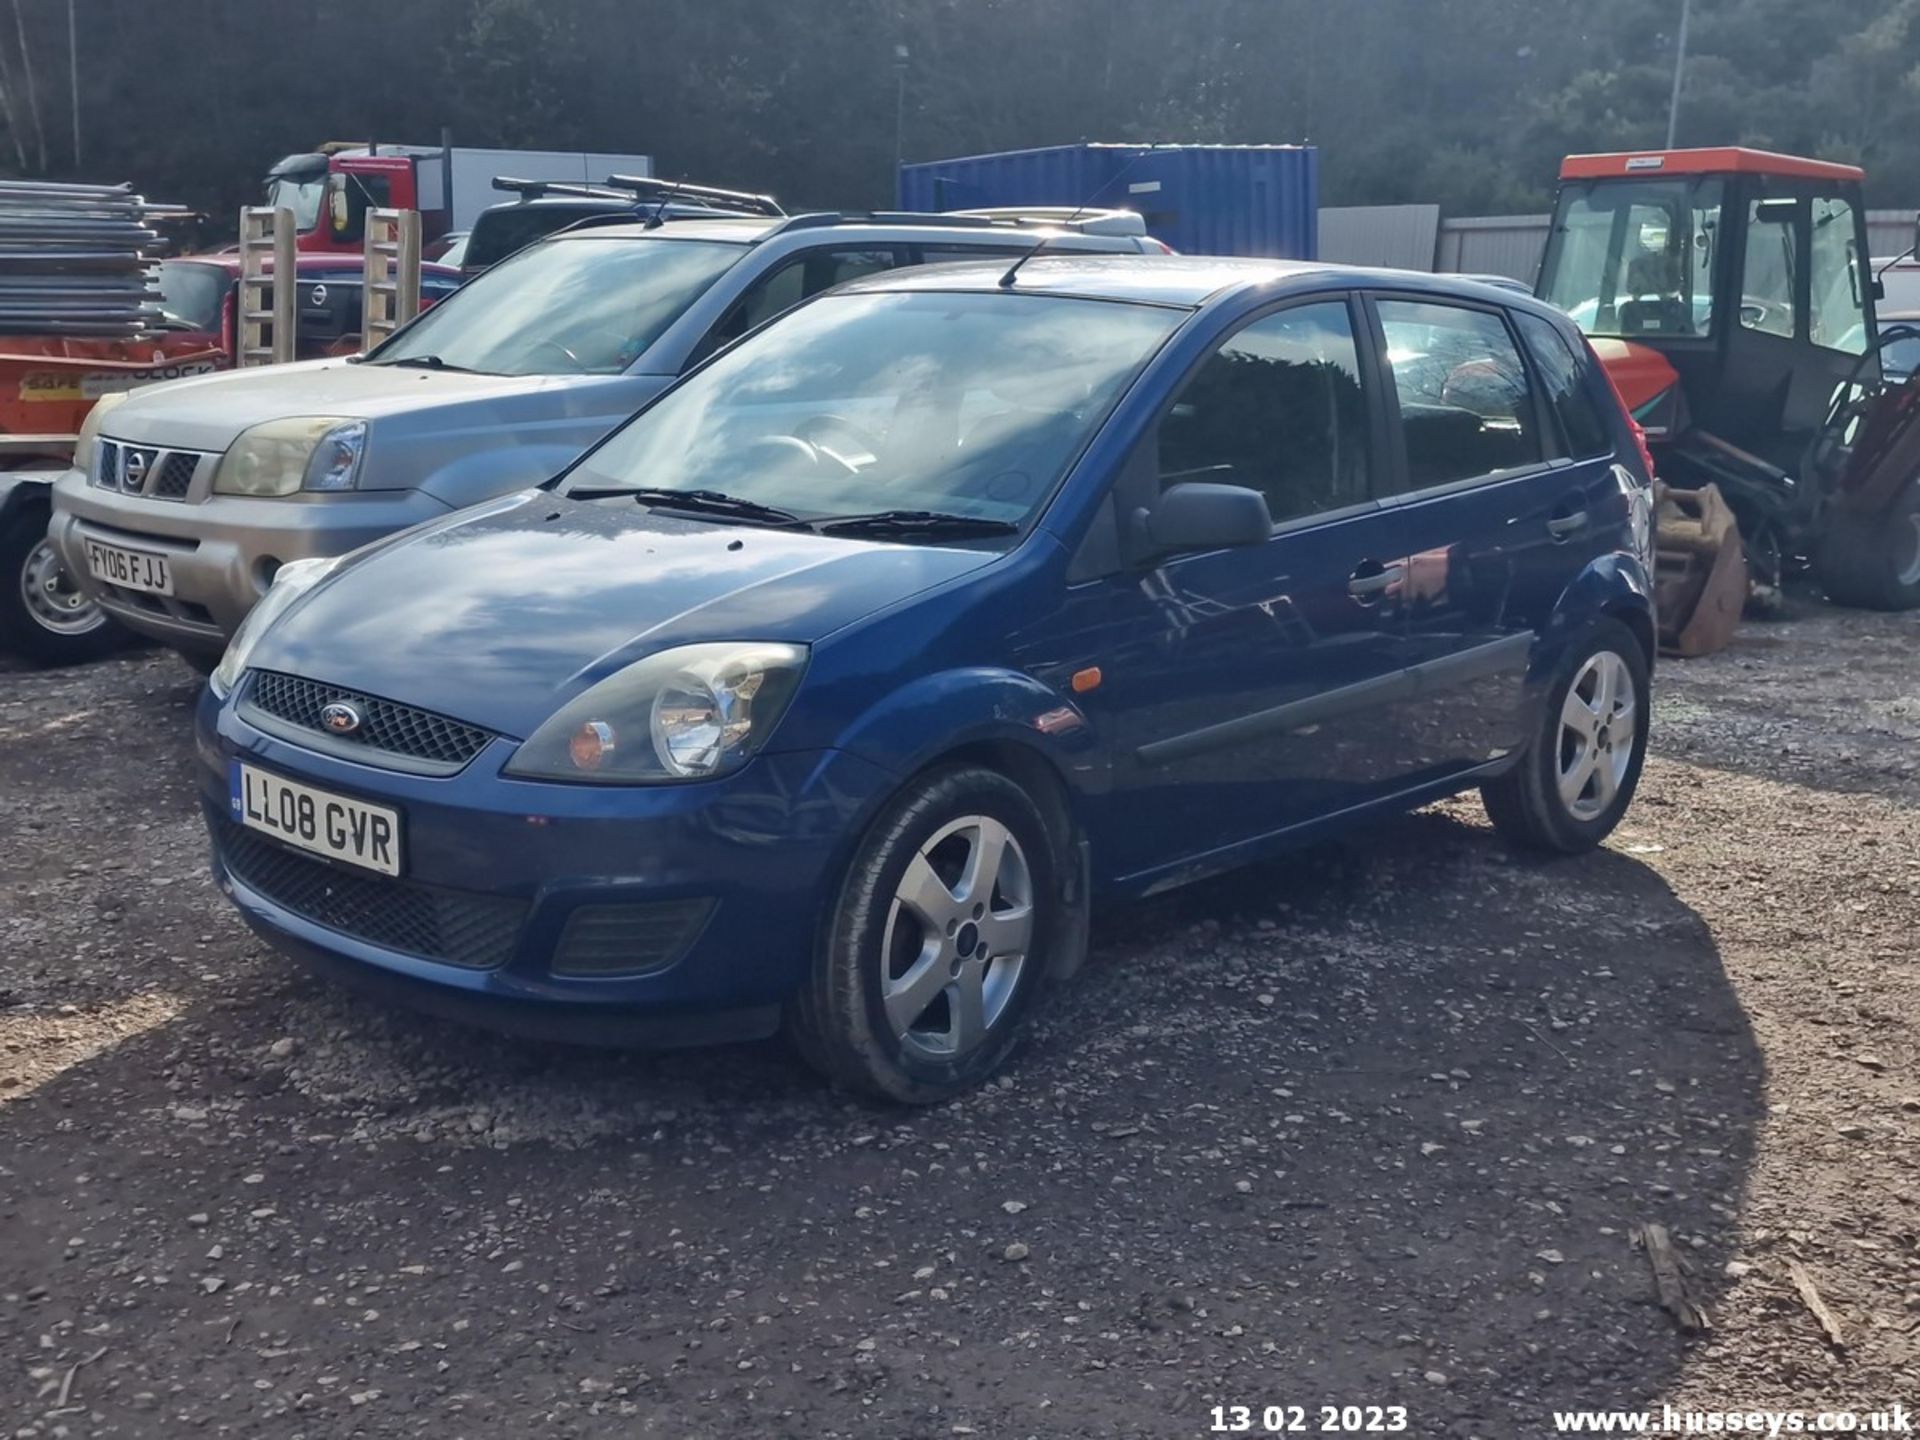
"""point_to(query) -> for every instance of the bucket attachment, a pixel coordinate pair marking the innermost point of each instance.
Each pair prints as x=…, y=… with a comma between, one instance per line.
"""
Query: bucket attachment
x=1700, y=582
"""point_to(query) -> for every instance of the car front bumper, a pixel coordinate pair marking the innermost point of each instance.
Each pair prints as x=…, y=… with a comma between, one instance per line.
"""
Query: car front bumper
x=222, y=550
x=506, y=870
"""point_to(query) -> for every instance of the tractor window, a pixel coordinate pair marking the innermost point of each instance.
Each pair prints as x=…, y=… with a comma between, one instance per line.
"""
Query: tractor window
x=1838, y=319
x=1772, y=270
x=1630, y=258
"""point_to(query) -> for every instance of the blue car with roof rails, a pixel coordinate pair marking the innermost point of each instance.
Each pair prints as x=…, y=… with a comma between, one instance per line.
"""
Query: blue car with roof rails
x=834, y=689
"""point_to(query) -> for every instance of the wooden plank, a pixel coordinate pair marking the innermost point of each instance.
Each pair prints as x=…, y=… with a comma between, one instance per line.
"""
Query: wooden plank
x=1810, y=1294
x=1669, y=1278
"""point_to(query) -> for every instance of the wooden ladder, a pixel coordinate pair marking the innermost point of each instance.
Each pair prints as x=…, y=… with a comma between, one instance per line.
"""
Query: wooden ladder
x=267, y=312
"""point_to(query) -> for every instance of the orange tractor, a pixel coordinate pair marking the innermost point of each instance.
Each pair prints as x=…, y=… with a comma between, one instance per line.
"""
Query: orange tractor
x=1730, y=295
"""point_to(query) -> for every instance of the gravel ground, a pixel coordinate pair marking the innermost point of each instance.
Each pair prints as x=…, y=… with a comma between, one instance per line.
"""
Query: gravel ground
x=1370, y=1126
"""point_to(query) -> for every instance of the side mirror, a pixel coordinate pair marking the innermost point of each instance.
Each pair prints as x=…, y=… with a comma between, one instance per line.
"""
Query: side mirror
x=1197, y=516
x=337, y=212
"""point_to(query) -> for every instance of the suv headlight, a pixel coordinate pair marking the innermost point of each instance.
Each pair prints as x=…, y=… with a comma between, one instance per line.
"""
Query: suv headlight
x=686, y=714
x=281, y=457
x=85, y=443
x=290, y=582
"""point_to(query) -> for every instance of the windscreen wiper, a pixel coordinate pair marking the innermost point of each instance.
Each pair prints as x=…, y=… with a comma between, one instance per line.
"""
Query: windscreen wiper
x=914, y=522
x=426, y=362
x=695, y=502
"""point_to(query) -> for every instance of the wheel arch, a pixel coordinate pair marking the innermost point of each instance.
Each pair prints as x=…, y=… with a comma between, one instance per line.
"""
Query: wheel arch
x=1040, y=776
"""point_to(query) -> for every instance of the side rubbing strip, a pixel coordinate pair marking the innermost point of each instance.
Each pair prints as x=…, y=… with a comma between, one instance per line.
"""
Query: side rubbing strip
x=1295, y=715
x=1463, y=667
x=1496, y=657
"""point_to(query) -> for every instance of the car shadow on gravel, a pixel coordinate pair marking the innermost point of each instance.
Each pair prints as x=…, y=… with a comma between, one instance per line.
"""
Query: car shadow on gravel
x=1369, y=1125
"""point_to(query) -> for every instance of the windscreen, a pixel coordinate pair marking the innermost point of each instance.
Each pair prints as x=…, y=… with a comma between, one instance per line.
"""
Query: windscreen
x=969, y=404
x=1635, y=257
x=191, y=295
x=587, y=306
x=301, y=196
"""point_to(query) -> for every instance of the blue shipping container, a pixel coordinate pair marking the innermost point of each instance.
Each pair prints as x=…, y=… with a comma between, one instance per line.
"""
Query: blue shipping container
x=1200, y=199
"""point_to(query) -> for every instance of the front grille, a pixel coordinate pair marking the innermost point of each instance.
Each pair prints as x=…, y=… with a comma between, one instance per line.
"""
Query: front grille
x=628, y=939
x=385, y=726
x=476, y=932
x=145, y=470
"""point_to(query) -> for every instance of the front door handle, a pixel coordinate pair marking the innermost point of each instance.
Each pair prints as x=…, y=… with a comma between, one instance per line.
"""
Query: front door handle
x=1372, y=580
x=1561, y=526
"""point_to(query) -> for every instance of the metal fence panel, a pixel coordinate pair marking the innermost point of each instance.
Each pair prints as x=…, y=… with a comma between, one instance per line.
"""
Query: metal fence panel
x=1400, y=237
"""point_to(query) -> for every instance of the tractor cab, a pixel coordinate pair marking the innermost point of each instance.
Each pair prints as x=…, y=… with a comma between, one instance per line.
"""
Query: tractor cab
x=1726, y=290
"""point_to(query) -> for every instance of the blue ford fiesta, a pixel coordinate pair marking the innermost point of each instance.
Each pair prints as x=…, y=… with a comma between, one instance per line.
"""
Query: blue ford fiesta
x=834, y=689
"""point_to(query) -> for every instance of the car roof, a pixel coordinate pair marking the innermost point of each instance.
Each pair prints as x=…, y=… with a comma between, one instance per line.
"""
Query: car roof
x=308, y=264
x=1185, y=280
x=740, y=230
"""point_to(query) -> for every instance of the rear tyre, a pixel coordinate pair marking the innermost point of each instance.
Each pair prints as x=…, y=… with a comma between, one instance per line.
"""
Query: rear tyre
x=1580, y=770
x=1872, y=562
x=43, y=615
x=944, y=926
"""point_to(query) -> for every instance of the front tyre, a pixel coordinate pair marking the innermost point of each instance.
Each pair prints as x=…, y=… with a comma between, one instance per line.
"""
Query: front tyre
x=1872, y=562
x=942, y=931
x=43, y=615
x=1579, y=772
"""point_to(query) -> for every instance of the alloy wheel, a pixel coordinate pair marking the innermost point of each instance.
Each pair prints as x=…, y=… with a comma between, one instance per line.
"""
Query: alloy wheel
x=1599, y=730
x=957, y=936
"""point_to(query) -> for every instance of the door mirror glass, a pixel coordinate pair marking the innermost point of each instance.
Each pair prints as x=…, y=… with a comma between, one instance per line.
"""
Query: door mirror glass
x=1199, y=516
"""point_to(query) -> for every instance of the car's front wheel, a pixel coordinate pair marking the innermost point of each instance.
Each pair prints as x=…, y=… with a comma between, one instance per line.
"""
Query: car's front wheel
x=1578, y=775
x=942, y=932
x=43, y=615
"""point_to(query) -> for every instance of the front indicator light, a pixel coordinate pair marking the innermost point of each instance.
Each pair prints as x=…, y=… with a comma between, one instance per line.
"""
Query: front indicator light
x=591, y=744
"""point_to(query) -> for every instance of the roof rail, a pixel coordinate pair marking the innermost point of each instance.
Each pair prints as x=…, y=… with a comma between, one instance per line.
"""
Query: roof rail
x=647, y=187
x=534, y=189
x=1092, y=222
x=1084, y=218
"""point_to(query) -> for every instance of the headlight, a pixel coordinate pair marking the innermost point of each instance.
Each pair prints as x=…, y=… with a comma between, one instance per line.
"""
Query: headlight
x=290, y=582
x=84, y=446
x=686, y=714
x=313, y=452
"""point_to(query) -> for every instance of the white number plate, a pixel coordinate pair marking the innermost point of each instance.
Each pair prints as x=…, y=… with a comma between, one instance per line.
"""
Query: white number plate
x=131, y=569
x=315, y=820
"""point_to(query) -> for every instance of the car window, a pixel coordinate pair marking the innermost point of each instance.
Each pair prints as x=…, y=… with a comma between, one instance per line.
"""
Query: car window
x=806, y=274
x=947, y=254
x=1563, y=374
x=971, y=404
x=1772, y=268
x=1278, y=408
x=1902, y=284
x=1838, y=317
x=1635, y=259
x=1465, y=408
x=358, y=193
x=191, y=295
x=508, y=229
x=585, y=306
x=1901, y=357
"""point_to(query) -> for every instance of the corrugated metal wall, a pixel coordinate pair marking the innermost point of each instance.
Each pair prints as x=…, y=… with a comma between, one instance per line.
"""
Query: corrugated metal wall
x=1509, y=245
x=1200, y=199
x=1400, y=237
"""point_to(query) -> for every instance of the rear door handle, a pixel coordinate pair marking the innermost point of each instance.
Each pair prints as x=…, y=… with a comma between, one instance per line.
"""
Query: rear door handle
x=1562, y=526
x=1372, y=579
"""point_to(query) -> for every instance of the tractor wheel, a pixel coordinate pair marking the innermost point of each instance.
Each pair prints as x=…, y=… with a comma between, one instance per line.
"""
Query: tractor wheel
x=1873, y=561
